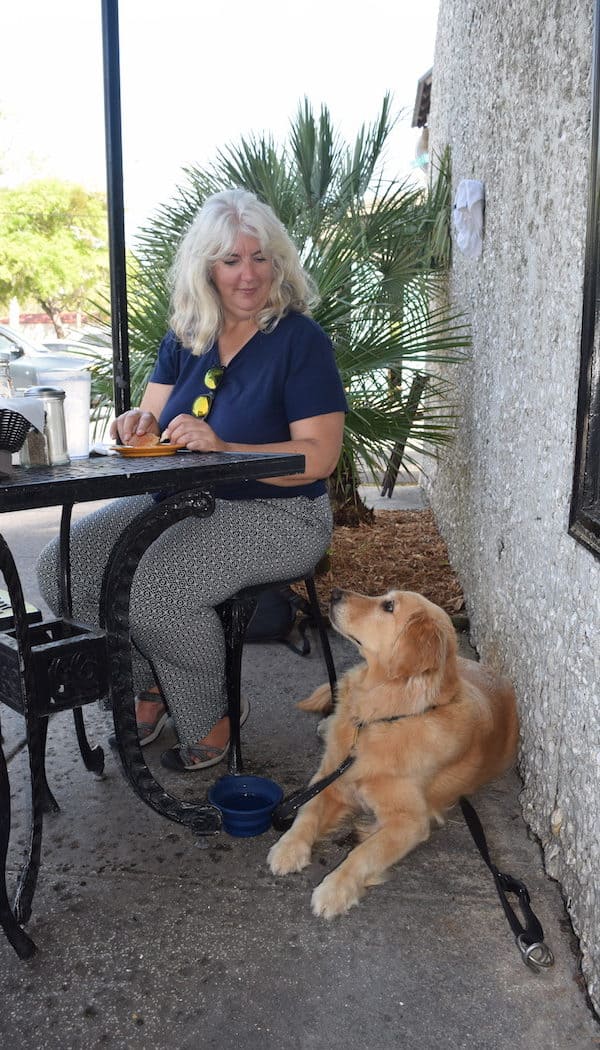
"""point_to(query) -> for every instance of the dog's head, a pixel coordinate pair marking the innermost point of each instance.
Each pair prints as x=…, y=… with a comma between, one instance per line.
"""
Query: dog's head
x=401, y=632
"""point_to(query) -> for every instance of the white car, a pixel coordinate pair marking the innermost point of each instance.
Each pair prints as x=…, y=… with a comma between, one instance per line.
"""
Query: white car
x=26, y=358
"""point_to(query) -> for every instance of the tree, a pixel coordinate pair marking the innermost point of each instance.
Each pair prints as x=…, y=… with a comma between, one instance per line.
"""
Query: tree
x=53, y=238
x=378, y=252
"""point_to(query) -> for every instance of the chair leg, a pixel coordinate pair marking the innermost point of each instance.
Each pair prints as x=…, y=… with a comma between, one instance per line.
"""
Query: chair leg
x=235, y=616
x=311, y=590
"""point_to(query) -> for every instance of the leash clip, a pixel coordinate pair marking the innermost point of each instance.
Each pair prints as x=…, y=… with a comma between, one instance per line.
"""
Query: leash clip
x=536, y=956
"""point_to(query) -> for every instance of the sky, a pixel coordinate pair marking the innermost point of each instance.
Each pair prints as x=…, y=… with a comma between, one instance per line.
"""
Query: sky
x=195, y=77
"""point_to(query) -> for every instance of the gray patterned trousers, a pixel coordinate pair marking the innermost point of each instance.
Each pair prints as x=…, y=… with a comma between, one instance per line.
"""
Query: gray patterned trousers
x=191, y=568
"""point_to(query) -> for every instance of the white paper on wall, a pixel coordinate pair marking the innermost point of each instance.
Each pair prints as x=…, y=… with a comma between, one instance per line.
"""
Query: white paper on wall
x=468, y=217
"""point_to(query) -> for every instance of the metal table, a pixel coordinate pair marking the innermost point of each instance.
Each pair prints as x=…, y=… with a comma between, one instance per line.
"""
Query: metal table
x=58, y=665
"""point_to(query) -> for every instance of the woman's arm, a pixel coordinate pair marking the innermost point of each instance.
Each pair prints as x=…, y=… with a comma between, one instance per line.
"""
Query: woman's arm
x=142, y=420
x=318, y=439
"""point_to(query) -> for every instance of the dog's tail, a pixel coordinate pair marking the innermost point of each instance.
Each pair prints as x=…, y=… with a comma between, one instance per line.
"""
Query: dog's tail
x=321, y=700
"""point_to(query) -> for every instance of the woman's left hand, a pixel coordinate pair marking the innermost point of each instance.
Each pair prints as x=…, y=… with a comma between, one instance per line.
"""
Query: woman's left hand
x=195, y=434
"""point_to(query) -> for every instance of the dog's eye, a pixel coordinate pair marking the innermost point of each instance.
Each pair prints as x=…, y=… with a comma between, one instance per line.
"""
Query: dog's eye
x=387, y=605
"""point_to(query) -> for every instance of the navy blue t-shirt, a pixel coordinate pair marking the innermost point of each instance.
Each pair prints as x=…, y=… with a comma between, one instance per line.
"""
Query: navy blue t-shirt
x=276, y=378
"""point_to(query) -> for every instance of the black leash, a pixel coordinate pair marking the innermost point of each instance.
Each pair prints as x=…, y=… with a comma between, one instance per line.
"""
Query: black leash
x=529, y=937
x=284, y=813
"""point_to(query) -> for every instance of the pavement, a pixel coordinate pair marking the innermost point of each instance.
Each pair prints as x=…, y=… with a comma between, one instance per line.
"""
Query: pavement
x=149, y=939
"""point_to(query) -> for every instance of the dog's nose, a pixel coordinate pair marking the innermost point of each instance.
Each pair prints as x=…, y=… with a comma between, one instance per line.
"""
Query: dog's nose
x=336, y=595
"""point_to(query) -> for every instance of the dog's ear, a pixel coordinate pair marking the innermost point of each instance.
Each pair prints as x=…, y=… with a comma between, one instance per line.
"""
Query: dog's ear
x=420, y=646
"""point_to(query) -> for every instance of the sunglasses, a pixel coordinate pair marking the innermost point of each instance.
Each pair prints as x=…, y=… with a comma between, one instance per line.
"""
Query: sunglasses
x=202, y=404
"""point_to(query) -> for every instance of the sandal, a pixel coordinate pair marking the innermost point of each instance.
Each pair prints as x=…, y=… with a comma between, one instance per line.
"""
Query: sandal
x=187, y=758
x=148, y=731
x=182, y=759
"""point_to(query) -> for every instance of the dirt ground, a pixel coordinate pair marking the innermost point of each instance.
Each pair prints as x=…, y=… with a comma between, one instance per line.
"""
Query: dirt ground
x=401, y=549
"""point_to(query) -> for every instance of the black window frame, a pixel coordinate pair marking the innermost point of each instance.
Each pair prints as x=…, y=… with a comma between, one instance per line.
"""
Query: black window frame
x=584, y=520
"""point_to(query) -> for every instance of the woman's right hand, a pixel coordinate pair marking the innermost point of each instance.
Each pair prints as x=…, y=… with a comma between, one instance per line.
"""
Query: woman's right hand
x=134, y=421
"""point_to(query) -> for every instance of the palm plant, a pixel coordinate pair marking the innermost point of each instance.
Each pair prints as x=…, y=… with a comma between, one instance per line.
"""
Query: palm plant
x=377, y=251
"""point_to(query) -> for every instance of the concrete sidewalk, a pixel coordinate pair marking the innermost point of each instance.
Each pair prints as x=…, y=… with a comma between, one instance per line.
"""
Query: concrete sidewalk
x=146, y=940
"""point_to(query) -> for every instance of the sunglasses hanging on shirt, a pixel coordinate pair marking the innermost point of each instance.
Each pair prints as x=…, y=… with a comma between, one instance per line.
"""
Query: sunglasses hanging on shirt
x=202, y=404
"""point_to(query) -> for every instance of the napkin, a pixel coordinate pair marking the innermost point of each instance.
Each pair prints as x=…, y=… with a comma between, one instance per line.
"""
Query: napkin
x=30, y=407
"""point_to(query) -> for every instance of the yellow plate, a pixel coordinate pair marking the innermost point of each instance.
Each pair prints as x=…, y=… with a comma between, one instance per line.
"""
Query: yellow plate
x=147, y=450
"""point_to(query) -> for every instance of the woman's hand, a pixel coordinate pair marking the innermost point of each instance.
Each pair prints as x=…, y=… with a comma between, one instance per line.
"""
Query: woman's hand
x=134, y=421
x=195, y=434
x=318, y=439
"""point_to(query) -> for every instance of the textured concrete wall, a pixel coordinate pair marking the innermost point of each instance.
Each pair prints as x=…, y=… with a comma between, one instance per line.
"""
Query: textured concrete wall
x=511, y=96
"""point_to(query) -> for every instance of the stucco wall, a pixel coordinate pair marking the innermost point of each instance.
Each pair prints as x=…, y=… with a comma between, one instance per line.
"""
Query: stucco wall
x=511, y=96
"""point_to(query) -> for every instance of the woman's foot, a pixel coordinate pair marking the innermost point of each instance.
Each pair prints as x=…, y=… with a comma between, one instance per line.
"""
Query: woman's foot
x=151, y=716
x=209, y=751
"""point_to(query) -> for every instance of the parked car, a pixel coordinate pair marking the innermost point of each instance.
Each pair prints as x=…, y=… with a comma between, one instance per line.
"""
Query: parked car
x=93, y=344
x=27, y=357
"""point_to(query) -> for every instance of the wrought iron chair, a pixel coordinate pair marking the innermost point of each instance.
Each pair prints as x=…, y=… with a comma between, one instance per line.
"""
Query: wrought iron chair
x=236, y=613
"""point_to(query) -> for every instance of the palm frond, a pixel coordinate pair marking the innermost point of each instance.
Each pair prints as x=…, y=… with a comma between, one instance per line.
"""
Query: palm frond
x=378, y=251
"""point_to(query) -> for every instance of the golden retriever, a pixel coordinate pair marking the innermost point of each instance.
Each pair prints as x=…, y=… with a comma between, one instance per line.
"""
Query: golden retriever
x=425, y=727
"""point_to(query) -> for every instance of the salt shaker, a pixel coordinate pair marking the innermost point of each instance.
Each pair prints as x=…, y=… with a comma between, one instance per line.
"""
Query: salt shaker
x=50, y=447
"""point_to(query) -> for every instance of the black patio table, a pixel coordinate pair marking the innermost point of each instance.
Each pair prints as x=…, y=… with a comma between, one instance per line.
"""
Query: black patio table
x=58, y=665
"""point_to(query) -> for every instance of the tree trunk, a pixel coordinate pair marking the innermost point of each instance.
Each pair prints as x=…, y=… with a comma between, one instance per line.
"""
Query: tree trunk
x=347, y=505
x=417, y=387
x=54, y=315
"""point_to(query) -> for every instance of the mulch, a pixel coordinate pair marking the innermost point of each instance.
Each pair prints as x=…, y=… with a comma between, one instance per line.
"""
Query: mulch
x=401, y=549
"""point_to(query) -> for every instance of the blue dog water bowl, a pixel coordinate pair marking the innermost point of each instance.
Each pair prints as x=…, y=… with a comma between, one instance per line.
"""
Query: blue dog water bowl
x=246, y=803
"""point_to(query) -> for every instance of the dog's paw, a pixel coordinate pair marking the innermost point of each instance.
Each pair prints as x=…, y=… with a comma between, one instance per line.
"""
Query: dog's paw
x=288, y=855
x=334, y=896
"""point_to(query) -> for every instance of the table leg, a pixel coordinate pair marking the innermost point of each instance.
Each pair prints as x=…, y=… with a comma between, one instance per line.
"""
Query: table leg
x=28, y=877
x=35, y=747
x=93, y=758
x=200, y=817
x=50, y=805
x=22, y=944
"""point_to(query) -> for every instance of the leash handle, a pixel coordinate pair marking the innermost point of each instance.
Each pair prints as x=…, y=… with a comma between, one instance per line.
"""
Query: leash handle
x=529, y=937
x=284, y=813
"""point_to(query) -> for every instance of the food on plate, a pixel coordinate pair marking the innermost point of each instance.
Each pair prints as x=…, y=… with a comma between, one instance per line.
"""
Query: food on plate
x=144, y=440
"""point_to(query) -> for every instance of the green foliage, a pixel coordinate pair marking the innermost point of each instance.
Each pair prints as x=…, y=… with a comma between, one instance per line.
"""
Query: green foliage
x=54, y=245
x=378, y=252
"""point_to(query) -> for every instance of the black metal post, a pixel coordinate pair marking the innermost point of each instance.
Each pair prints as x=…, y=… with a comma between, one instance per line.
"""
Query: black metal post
x=116, y=209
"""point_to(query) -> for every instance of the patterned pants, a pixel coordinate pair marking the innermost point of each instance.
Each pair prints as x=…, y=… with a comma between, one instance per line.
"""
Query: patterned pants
x=191, y=568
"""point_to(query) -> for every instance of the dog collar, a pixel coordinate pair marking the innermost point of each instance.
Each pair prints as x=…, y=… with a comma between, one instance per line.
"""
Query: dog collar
x=395, y=718
x=391, y=718
x=289, y=807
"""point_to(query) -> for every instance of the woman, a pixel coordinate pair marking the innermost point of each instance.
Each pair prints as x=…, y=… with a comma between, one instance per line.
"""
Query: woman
x=243, y=368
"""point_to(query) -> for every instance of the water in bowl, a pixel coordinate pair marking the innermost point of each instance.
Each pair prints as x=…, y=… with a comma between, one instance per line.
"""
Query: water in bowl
x=246, y=802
